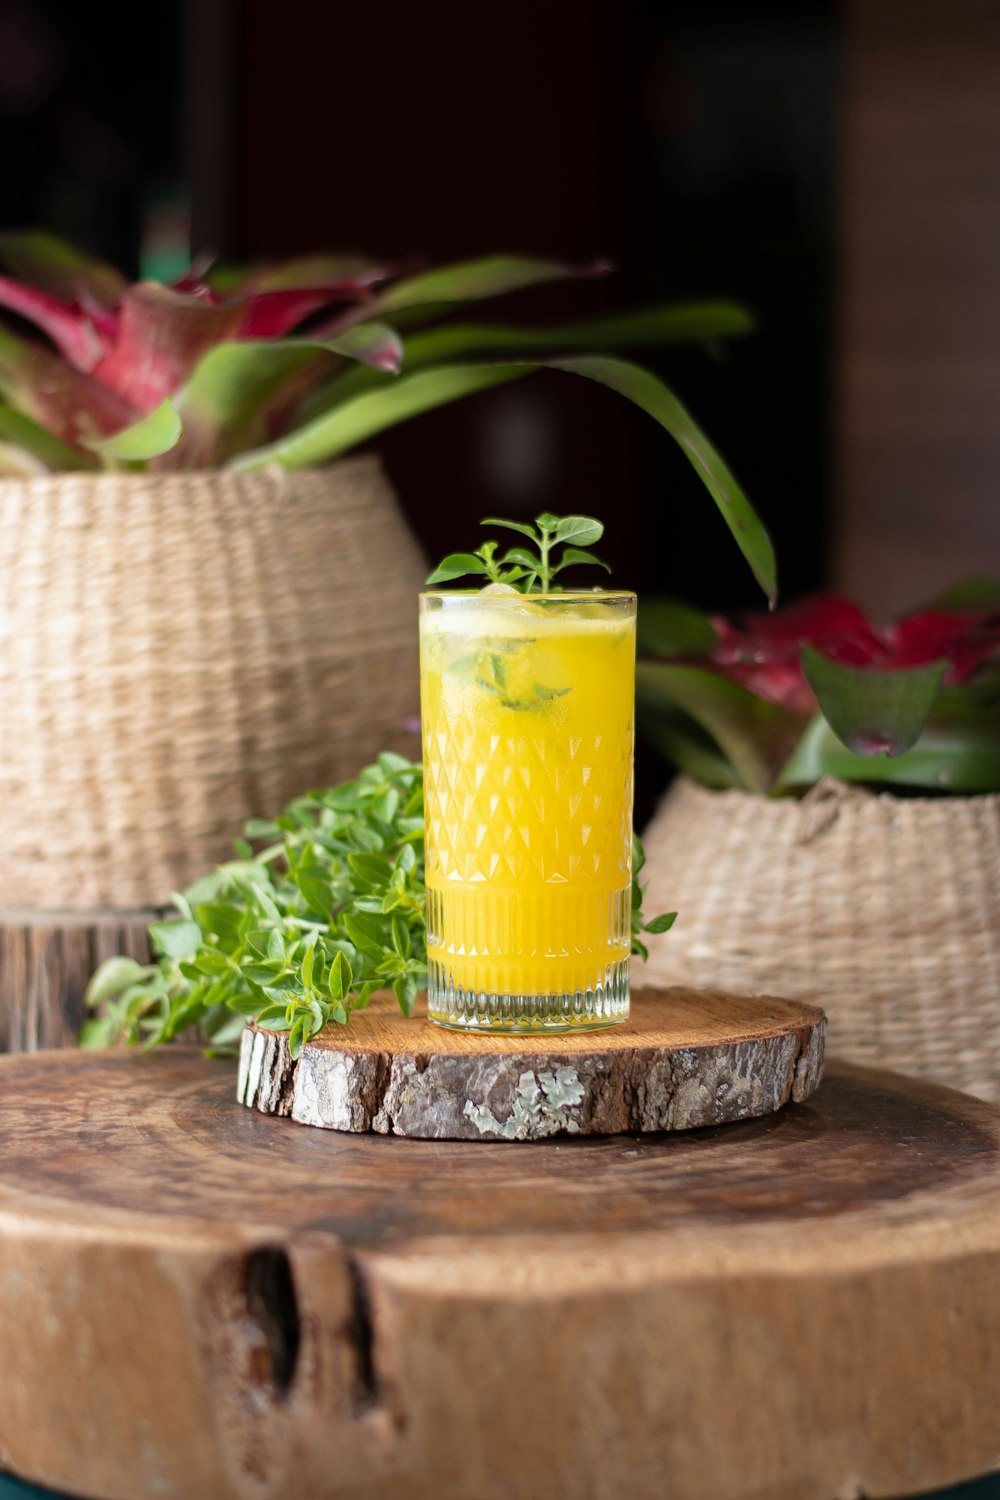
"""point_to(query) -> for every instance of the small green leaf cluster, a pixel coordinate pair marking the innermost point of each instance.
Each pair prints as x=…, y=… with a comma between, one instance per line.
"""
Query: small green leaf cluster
x=654, y=925
x=295, y=935
x=301, y=932
x=528, y=570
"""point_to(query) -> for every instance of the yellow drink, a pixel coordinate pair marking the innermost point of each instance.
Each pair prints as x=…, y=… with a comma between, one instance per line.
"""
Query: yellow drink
x=527, y=714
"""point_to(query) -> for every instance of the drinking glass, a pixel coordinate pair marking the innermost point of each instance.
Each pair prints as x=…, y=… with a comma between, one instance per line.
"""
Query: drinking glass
x=527, y=706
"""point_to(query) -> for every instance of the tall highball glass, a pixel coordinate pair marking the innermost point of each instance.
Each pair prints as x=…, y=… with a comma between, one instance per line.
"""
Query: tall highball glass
x=527, y=706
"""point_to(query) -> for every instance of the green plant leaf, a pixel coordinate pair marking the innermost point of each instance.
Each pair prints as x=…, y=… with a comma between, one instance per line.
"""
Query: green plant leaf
x=244, y=949
x=583, y=530
x=114, y=976
x=957, y=752
x=662, y=923
x=474, y=280
x=685, y=744
x=580, y=555
x=521, y=555
x=365, y=416
x=154, y=434
x=669, y=627
x=99, y=1031
x=755, y=737
x=457, y=565
x=872, y=710
x=373, y=344
x=236, y=386
x=175, y=939
x=650, y=393
x=522, y=527
x=340, y=978
x=972, y=593
x=664, y=324
x=300, y=271
x=49, y=450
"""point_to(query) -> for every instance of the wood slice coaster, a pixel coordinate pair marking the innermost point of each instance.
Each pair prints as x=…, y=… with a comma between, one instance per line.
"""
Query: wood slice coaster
x=685, y=1058
x=201, y=1303
x=46, y=962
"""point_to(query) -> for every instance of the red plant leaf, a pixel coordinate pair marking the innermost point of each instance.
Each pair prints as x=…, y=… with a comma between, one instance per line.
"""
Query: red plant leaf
x=70, y=329
x=163, y=335
x=966, y=638
x=268, y=315
x=763, y=651
x=819, y=617
x=68, y=402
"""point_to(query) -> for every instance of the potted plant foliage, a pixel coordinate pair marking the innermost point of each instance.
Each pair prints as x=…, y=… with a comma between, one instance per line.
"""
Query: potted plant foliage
x=206, y=604
x=835, y=833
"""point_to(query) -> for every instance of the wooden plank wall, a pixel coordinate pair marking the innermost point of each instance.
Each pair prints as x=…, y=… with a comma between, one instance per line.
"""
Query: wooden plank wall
x=918, y=416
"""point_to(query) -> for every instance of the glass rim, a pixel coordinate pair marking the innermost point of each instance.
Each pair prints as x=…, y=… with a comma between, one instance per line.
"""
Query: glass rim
x=567, y=596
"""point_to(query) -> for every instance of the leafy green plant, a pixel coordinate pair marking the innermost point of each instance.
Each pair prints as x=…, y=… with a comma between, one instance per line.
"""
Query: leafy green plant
x=774, y=703
x=528, y=571
x=299, y=363
x=301, y=932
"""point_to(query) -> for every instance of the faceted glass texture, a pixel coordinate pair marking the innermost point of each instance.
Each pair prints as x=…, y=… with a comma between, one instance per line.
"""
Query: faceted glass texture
x=527, y=713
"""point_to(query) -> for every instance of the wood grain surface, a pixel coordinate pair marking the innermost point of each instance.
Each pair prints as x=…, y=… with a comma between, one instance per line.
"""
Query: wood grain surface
x=200, y=1302
x=684, y=1058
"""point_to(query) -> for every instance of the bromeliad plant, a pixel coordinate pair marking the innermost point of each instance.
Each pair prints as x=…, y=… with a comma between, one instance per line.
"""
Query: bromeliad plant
x=299, y=363
x=301, y=932
x=773, y=703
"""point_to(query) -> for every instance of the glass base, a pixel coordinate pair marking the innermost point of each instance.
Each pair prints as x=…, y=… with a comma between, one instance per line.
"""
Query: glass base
x=594, y=1009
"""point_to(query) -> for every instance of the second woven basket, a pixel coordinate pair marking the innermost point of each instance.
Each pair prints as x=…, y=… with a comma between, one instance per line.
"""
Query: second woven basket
x=885, y=910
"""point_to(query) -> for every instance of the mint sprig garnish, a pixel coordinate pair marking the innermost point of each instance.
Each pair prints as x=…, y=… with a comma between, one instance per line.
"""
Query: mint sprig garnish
x=299, y=933
x=528, y=571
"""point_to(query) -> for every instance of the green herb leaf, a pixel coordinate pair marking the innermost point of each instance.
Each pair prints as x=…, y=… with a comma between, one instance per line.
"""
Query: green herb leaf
x=583, y=530
x=520, y=567
x=341, y=978
x=661, y=924
x=457, y=565
x=248, y=946
x=114, y=976
x=579, y=555
x=528, y=531
x=175, y=939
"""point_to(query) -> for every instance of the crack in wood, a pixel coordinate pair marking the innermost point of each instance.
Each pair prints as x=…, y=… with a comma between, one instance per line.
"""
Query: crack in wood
x=366, y=1391
x=273, y=1306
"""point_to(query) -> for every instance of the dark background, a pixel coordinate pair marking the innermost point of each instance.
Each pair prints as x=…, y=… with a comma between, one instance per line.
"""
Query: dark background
x=692, y=144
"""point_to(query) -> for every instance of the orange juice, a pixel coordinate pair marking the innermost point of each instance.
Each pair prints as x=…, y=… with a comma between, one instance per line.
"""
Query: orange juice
x=527, y=715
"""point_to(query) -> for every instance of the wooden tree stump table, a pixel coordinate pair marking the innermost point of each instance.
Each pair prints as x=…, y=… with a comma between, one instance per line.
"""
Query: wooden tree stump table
x=200, y=1302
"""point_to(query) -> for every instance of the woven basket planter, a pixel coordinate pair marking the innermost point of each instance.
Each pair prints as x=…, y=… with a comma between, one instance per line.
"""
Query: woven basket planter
x=885, y=910
x=179, y=652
